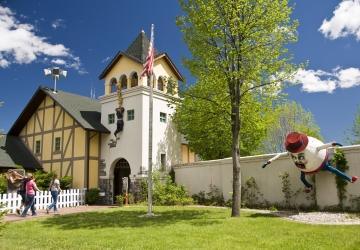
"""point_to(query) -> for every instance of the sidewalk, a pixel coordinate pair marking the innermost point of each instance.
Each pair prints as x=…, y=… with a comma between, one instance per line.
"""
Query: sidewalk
x=62, y=211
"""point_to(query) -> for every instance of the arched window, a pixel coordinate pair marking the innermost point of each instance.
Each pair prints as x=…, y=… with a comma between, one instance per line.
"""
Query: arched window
x=160, y=83
x=134, y=80
x=123, y=82
x=113, y=86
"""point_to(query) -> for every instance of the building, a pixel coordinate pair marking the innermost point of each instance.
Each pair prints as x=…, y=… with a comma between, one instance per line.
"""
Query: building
x=73, y=135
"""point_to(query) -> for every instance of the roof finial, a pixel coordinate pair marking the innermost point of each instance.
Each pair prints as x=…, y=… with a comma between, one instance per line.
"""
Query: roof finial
x=142, y=31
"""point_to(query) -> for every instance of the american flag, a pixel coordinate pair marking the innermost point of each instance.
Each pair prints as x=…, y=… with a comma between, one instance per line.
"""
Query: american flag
x=148, y=66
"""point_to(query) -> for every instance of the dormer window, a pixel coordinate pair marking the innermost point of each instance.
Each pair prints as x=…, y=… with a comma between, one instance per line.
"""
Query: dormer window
x=160, y=84
x=113, y=86
x=134, y=80
x=123, y=82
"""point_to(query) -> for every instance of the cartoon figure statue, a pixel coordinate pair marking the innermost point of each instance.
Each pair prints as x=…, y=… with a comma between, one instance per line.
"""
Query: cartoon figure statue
x=120, y=121
x=309, y=155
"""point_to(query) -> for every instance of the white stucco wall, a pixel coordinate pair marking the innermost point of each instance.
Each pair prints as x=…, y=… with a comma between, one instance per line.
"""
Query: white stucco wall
x=133, y=142
x=198, y=176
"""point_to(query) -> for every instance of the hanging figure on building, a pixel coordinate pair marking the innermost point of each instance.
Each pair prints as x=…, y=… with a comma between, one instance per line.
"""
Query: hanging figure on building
x=119, y=111
x=309, y=155
x=120, y=120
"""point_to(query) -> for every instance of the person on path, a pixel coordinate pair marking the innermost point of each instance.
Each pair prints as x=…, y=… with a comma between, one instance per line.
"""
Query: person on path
x=31, y=188
x=55, y=191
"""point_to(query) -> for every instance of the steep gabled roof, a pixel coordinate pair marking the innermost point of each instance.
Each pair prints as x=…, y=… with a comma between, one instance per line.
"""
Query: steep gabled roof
x=13, y=152
x=84, y=110
x=138, y=51
x=139, y=48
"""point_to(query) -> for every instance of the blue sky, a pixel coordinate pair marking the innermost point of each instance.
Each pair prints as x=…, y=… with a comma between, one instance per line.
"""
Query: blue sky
x=82, y=36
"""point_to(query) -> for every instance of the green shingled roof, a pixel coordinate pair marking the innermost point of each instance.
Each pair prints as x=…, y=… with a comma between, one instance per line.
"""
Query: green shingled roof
x=139, y=48
x=14, y=153
x=84, y=110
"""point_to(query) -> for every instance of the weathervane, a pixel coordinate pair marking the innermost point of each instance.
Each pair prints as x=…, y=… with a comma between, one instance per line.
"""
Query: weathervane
x=56, y=72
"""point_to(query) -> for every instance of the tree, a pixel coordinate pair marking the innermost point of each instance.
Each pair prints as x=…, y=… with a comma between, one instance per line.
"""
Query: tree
x=239, y=45
x=354, y=137
x=285, y=118
x=206, y=125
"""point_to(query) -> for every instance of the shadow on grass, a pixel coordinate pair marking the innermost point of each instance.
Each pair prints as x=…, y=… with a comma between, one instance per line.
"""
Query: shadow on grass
x=131, y=218
x=262, y=215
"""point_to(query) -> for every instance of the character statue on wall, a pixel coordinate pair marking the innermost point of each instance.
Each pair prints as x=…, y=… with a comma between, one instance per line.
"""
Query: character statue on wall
x=309, y=155
x=119, y=111
x=120, y=120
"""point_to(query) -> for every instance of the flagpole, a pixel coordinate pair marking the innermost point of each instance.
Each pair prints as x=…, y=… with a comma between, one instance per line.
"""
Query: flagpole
x=150, y=213
x=150, y=83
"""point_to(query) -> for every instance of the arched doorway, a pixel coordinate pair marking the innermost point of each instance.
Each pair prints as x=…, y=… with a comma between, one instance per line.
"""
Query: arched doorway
x=121, y=170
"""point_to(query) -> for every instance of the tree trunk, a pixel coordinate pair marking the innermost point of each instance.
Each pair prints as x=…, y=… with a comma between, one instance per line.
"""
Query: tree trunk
x=235, y=128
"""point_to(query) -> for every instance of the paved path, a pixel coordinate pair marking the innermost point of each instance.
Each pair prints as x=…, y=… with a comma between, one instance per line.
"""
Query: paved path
x=62, y=211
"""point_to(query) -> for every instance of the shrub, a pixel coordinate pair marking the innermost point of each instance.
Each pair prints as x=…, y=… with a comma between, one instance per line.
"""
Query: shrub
x=212, y=198
x=3, y=184
x=341, y=163
x=166, y=192
x=251, y=195
x=43, y=179
x=65, y=182
x=92, y=196
x=120, y=200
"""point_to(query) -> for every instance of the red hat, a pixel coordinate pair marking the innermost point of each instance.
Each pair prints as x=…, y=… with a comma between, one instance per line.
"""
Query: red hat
x=296, y=142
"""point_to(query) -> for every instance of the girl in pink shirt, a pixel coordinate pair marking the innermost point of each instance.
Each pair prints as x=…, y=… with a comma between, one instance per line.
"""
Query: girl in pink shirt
x=30, y=196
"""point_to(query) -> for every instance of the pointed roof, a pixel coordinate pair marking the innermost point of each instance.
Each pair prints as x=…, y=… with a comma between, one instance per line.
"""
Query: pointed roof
x=138, y=51
x=84, y=110
x=139, y=48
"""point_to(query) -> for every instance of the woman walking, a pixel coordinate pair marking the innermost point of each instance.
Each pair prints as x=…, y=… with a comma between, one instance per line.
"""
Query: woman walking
x=55, y=190
x=30, y=195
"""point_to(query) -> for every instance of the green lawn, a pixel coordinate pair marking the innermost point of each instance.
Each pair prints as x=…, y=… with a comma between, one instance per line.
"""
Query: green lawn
x=174, y=228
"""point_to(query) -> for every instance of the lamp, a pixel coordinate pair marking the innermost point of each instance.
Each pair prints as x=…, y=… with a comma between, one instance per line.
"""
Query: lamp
x=56, y=73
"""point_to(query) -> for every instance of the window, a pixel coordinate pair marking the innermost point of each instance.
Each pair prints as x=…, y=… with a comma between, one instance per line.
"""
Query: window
x=162, y=117
x=37, y=147
x=113, y=85
x=130, y=115
x=123, y=81
x=57, y=144
x=111, y=118
x=163, y=161
x=134, y=80
x=160, y=84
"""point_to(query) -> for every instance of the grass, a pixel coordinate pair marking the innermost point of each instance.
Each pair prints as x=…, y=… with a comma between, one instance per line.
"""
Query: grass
x=174, y=228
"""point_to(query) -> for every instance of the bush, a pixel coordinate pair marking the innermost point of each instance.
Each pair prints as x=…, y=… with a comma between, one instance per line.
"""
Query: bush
x=92, y=196
x=65, y=182
x=120, y=200
x=168, y=193
x=3, y=184
x=43, y=179
x=212, y=198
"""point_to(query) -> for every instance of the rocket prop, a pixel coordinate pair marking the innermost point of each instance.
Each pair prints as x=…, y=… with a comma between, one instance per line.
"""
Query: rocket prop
x=309, y=156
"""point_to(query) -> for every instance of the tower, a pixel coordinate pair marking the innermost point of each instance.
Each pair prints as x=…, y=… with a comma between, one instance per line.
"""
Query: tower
x=126, y=155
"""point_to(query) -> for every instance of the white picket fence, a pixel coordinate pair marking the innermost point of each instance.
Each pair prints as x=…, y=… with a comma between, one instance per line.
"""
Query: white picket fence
x=67, y=198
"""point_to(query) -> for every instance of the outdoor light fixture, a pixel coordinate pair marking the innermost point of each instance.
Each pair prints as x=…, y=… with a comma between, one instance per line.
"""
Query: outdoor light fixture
x=56, y=73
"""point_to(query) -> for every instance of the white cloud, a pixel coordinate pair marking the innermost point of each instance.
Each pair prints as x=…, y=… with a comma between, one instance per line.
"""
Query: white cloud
x=58, y=61
x=344, y=22
x=348, y=77
x=322, y=81
x=58, y=23
x=20, y=45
